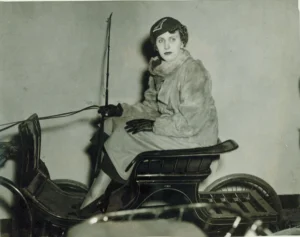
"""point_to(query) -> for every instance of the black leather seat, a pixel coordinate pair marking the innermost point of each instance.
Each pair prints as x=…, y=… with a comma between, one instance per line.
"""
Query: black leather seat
x=47, y=199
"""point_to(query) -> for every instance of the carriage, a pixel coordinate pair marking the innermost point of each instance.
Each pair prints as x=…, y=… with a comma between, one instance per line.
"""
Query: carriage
x=160, y=179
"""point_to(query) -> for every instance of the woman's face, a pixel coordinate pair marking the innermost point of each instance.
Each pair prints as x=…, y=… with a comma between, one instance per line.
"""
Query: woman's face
x=169, y=45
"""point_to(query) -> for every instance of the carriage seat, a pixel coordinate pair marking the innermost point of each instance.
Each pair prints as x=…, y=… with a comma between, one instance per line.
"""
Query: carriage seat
x=178, y=170
x=212, y=152
x=46, y=198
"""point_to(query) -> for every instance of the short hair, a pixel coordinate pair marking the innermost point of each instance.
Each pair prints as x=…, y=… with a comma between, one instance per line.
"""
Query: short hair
x=168, y=24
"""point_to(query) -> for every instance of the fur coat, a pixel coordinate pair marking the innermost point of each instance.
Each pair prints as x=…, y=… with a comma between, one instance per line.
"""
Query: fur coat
x=179, y=100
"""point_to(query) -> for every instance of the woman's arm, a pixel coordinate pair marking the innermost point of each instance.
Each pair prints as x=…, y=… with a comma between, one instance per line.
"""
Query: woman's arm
x=147, y=107
x=195, y=106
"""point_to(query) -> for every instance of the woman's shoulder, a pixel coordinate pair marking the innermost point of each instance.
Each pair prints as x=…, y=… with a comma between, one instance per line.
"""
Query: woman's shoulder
x=195, y=66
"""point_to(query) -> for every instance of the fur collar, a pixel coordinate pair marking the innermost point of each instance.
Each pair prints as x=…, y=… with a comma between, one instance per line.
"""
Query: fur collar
x=157, y=67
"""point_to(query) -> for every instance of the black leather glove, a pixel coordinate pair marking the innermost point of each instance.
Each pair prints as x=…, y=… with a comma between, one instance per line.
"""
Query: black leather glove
x=139, y=125
x=111, y=110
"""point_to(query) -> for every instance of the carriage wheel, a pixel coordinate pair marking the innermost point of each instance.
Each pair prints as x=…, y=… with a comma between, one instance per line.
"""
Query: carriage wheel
x=247, y=182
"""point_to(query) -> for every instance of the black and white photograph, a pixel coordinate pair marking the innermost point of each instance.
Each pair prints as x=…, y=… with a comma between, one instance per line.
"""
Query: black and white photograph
x=150, y=118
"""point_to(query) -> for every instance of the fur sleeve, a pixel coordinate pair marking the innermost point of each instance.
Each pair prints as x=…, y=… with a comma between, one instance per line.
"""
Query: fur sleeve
x=146, y=108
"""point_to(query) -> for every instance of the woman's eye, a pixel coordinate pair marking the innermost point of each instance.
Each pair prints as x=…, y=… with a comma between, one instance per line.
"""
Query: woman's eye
x=173, y=39
x=160, y=41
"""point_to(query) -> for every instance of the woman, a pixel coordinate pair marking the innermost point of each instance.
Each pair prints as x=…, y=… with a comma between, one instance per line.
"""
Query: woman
x=178, y=111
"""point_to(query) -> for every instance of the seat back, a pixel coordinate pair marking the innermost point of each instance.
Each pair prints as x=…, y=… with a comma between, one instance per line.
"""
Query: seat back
x=30, y=138
x=183, y=165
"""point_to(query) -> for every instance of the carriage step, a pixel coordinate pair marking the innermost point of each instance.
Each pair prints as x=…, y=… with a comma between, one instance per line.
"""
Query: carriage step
x=249, y=203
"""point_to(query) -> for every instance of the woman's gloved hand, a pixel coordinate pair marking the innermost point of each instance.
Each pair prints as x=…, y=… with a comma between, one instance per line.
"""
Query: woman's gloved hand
x=139, y=125
x=111, y=110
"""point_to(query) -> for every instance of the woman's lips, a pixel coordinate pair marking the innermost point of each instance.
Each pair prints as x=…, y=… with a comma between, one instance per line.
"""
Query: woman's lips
x=167, y=53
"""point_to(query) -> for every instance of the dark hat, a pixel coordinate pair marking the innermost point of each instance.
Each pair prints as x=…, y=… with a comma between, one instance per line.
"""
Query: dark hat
x=165, y=24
